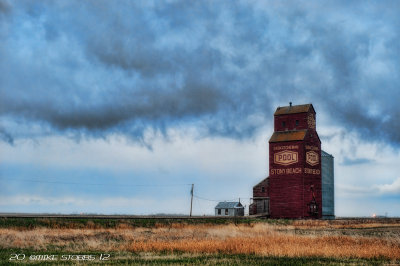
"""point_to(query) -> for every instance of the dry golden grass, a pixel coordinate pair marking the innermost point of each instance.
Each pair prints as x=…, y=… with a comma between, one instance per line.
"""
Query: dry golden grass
x=300, y=238
x=351, y=223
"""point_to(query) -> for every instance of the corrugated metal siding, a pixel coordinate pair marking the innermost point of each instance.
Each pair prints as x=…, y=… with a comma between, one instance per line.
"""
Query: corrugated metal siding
x=328, y=185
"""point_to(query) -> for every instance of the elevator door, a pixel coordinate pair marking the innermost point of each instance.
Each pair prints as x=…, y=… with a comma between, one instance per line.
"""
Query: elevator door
x=263, y=206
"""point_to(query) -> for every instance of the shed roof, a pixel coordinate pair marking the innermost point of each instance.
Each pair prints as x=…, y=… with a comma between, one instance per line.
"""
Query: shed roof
x=265, y=179
x=294, y=109
x=281, y=136
x=228, y=205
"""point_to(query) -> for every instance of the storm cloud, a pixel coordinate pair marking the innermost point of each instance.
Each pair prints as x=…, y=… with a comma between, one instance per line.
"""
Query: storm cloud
x=97, y=67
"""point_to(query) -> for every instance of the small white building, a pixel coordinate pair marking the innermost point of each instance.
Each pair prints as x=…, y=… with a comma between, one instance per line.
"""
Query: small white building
x=226, y=208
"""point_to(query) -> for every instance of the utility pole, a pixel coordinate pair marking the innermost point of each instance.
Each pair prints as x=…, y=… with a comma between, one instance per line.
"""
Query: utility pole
x=191, y=201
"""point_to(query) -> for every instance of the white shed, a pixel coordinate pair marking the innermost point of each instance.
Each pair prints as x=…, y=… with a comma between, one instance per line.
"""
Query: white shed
x=226, y=208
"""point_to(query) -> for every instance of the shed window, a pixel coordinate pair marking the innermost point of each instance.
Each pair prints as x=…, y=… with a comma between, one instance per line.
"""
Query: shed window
x=297, y=122
x=219, y=211
x=226, y=211
x=262, y=189
x=283, y=124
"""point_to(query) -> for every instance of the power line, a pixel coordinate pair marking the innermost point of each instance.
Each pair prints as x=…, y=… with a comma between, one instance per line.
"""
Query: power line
x=197, y=197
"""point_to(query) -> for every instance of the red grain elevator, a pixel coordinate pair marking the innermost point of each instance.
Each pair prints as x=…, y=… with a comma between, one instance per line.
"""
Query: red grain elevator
x=293, y=187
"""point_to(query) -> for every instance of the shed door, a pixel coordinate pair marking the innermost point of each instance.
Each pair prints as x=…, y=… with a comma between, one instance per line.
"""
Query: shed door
x=263, y=206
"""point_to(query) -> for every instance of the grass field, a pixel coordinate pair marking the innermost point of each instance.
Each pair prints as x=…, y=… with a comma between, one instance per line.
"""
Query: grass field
x=208, y=241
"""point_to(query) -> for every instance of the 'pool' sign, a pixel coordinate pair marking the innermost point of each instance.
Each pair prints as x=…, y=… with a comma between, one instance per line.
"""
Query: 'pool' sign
x=312, y=158
x=286, y=157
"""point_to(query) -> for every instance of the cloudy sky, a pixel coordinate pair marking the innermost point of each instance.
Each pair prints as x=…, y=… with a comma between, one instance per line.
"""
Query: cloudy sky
x=118, y=106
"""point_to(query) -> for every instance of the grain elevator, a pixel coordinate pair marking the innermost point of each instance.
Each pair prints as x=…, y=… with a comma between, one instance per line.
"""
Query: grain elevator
x=298, y=175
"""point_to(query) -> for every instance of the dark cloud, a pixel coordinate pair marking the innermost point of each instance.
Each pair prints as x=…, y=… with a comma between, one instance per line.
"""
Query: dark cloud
x=95, y=68
x=5, y=136
x=4, y=7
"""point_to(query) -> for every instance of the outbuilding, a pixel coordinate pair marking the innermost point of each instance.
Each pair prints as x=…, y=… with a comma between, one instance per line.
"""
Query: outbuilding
x=227, y=208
